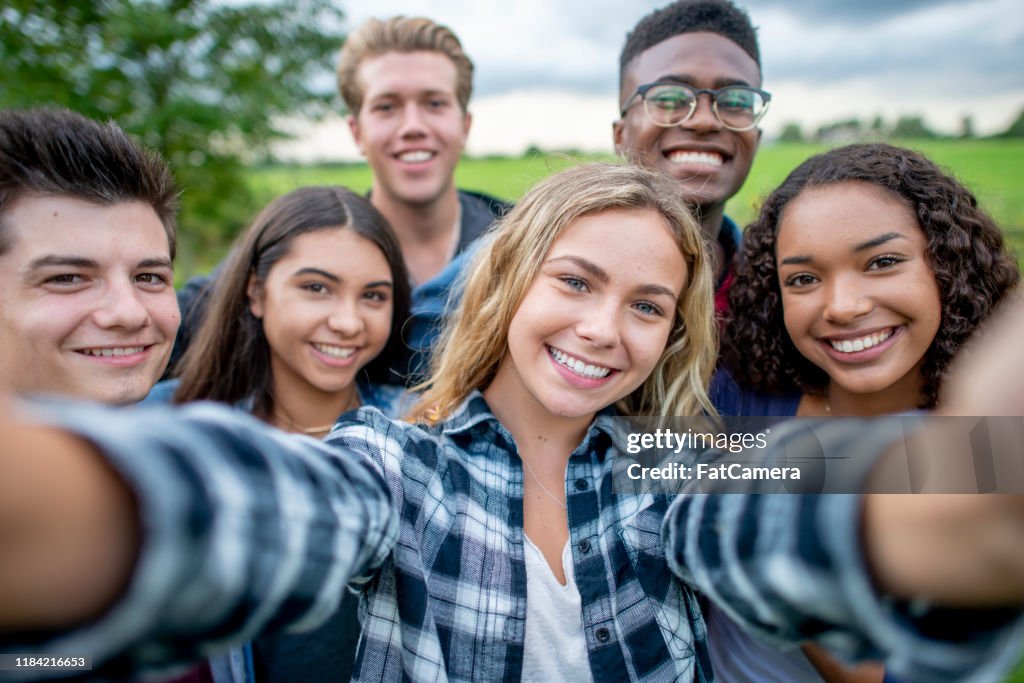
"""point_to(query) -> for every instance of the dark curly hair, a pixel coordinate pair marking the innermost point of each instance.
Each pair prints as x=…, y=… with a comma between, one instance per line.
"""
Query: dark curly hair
x=690, y=16
x=972, y=265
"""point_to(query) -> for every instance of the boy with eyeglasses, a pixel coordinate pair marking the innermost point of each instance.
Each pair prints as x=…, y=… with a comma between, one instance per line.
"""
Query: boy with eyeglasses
x=690, y=97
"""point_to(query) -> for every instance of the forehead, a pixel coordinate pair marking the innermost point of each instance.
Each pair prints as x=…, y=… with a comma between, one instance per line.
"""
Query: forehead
x=334, y=250
x=406, y=72
x=630, y=244
x=836, y=217
x=68, y=226
x=707, y=60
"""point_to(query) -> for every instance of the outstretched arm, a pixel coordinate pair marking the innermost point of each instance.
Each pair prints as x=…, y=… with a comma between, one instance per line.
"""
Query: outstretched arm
x=149, y=537
x=933, y=584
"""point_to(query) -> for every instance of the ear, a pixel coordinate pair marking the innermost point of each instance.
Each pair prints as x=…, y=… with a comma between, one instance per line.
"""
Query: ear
x=254, y=290
x=353, y=127
x=617, y=134
x=465, y=126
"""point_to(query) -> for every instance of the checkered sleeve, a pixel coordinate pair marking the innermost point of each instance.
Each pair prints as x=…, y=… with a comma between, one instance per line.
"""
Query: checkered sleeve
x=245, y=529
x=792, y=568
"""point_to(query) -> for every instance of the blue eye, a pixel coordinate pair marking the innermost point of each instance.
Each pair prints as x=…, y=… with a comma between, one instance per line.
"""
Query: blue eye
x=647, y=308
x=579, y=284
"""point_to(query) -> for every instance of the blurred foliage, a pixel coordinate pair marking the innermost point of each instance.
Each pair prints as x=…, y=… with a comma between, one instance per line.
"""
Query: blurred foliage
x=206, y=83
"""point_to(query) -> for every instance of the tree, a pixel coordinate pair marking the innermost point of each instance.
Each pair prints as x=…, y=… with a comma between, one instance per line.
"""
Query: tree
x=911, y=127
x=1016, y=129
x=791, y=132
x=206, y=83
x=967, y=127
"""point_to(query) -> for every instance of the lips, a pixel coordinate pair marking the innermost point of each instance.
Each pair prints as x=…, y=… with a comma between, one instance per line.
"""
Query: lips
x=415, y=156
x=683, y=157
x=578, y=366
x=335, y=351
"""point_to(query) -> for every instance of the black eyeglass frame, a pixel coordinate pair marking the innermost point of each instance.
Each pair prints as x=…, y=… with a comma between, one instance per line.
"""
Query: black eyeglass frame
x=697, y=92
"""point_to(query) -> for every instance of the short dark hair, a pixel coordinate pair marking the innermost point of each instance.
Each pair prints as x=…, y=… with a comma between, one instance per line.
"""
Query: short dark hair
x=229, y=361
x=57, y=152
x=973, y=268
x=690, y=16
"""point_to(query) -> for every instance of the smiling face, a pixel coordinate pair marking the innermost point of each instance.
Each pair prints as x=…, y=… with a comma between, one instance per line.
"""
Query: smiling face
x=860, y=299
x=410, y=128
x=87, y=306
x=326, y=311
x=596, y=319
x=710, y=162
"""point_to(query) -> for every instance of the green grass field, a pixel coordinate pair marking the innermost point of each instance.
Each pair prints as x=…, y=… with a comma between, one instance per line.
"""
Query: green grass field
x=993, y=169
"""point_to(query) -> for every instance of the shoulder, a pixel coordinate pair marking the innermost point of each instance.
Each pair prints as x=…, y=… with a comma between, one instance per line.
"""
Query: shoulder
x=479, y=211
x=391, y=399
x=162, y=392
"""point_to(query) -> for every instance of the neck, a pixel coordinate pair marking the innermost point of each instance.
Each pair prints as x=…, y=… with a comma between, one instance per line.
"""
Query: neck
x=710, y=226
x=892, y=399
x=711, y=220
x=308, y=410
x=546, y=440
x=425, y=232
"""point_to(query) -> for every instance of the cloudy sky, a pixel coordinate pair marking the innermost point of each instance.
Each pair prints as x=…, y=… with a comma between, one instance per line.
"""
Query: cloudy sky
x=546, y=70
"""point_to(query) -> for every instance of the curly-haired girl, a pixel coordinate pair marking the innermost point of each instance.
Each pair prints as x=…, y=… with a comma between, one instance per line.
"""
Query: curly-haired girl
x=866, y=271
x=864, y=274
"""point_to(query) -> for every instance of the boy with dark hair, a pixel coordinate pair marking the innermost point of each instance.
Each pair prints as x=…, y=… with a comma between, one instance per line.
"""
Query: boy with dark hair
x=672, y=58
x=406, y=83
x=87, y=236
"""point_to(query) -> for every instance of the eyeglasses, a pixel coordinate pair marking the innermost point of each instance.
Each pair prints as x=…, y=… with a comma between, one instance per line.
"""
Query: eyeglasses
x=737, y=107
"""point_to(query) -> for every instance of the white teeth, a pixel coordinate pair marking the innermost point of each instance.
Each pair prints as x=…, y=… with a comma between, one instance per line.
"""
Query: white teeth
x=118, y=351
x=334, y=351
x=854, y=345
x=706, y=158
x=415, y=157
x=578, y=366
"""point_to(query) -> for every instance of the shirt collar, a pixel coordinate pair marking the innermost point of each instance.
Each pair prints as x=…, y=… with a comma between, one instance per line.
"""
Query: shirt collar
x=473, y=418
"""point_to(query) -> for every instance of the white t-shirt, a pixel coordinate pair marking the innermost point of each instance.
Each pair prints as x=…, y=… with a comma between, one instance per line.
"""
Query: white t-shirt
x=555, y=648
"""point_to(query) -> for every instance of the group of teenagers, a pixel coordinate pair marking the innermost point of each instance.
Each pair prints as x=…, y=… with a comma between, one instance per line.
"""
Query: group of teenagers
x=409, y=476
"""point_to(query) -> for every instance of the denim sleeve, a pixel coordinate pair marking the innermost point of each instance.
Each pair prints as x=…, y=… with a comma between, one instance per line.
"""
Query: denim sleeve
x=245, y=530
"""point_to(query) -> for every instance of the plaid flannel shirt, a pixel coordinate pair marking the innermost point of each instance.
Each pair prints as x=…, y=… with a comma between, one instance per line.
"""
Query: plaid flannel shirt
x=450, y=602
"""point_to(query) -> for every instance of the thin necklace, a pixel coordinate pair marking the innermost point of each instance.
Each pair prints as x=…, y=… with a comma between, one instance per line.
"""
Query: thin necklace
x=564, y=506
x=311, y=431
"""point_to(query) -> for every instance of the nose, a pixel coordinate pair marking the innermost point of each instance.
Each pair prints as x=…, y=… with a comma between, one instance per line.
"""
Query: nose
x=599, y=325
x=121, y=307
x=412, y=121
x=846, y=302
x=345, y=319
x=703, y=117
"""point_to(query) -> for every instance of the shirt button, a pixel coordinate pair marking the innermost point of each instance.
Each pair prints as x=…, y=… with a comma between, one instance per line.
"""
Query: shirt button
x=602, y=635
x=584, y=546
x=581, y=484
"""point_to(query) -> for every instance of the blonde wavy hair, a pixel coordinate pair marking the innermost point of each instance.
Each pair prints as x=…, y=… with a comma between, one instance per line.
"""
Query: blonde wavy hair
x=475, y=339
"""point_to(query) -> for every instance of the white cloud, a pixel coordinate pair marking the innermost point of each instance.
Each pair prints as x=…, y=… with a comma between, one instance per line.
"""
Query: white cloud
x=547, y=71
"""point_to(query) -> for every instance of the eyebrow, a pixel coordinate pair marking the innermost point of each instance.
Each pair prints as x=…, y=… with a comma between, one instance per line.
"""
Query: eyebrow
x=878, y=241
x=334, y=278
x=686, y=79
x=600, y=274
x=863, y=246
x=59, y=261
x=316, y=271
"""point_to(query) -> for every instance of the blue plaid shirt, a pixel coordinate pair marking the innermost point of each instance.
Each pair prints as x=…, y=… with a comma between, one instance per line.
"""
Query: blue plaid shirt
x=247, y=529
x=450, y=601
